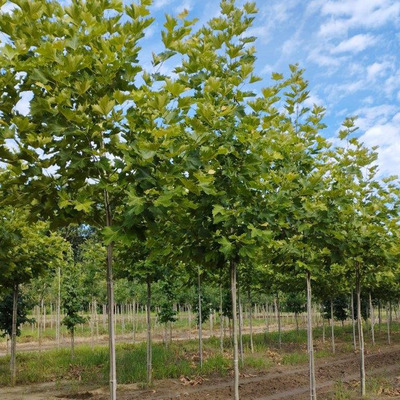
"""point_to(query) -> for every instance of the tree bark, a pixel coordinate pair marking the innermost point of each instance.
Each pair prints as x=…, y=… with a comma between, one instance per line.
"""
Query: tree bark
x=379, y=315
x=200, y=326
x=241, y=355
x=250, y=321
x=233, y=268
x=310, y=344
x=221, y=321
x=134, y=322
x=58, y=322
x=353, y=321
x=13, y=366
x=388, y=324
x=360, y=333
x=110, y=298
x=278, y=314
x=332, y=329
x=72, y=344
x=372, y=316
x=149, y=344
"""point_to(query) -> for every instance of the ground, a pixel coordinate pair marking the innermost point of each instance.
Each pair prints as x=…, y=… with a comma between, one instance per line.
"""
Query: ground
x=337, y=378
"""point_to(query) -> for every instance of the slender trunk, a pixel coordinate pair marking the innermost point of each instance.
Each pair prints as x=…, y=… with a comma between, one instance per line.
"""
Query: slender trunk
x=235, y=392
x=110, y=298
x=360, y=332
x=267, y=317
x=388, y=324
x=97, y=320
x=72, y=344
x=353, y=322
x=221, y=321
x=149, y=345
x=372, y=316
x=134, y=321
x=379, y=315
x=40, y=323
x=58, y=308
x=332, y=329
x=323, y=330
x=250, y=320
x=211, y=323
x=296, y=317
x=190, y=321
x=13, y=366
x=310, y=344
x=278, y=314
x=240, y=325
x=92, y=324
x=200, y=325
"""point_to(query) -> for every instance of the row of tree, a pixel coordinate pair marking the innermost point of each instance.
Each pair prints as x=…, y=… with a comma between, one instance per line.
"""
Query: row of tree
x=200, y=170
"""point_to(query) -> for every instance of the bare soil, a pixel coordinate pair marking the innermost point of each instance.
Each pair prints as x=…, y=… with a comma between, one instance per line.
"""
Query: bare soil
x=281, y=382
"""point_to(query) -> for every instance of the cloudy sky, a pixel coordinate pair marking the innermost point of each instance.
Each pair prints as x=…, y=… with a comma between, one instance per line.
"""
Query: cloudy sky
x=349, y=48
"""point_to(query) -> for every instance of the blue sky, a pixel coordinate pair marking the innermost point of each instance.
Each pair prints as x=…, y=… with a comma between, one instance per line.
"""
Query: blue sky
x=349, y=48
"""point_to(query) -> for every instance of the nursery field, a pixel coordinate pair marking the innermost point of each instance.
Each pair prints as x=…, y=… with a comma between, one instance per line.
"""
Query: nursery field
x=270, y=372
x=175, y=224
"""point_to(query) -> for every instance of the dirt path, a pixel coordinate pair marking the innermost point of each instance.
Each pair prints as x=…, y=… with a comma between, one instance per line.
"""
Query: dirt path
x=103, y=340
x=282, y=382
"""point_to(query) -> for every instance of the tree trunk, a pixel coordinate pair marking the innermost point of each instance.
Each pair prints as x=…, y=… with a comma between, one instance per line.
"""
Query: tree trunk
x=360, y=333
x=388, y=324
x=149, y=344
x=353, y=321
x=235, y=392
x=332, y=329
x=267, y=317
x=310, y=344
x=250, y=320
x=134, y=322
x=58, y=322
x=200, y=324
x=379, y=315
x=323, y=330
x=92, y=324
x=241, y=356
x=72, y=344
x=110, y=298
x=372, y=316
x=278, y=314
x=190, y=321
x=221, y=321
x=13, y=366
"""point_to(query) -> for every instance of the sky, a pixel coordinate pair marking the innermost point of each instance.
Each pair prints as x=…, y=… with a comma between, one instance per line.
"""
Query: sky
x=350, y=50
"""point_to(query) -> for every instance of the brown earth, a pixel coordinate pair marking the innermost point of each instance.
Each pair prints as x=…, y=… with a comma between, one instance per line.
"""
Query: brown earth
x=281, y=382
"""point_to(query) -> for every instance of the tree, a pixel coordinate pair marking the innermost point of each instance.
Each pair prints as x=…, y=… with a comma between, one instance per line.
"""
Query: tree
x=80, y=65
x=72, y=300
x=30, y=251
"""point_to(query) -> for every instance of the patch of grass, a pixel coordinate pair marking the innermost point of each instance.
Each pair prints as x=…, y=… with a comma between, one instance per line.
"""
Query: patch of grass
x=341, y=392
x=294, y=358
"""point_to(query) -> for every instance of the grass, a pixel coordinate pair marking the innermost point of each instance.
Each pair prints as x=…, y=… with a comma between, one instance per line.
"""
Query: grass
x=90, y=366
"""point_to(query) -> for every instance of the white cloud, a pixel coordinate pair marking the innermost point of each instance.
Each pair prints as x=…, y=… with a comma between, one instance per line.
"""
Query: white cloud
x=377, y=70
x=387, y=137
x=355, y=44
x=368, y=117
x=162, y=3
x=350, y=14
x=184, y=5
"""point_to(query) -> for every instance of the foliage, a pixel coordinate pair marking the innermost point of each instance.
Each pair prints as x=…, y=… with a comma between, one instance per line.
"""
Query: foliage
x=6, y=306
